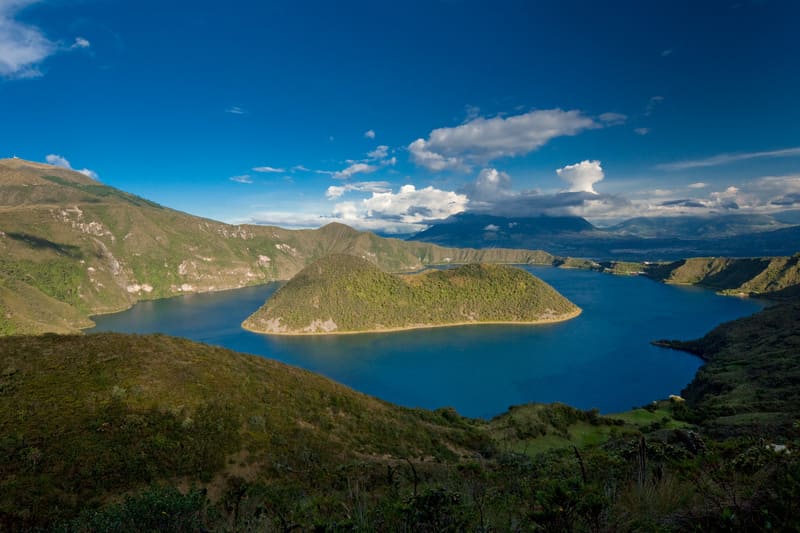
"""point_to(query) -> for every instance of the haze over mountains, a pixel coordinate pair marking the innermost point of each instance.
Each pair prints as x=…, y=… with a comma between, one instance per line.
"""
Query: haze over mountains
x=641, y=238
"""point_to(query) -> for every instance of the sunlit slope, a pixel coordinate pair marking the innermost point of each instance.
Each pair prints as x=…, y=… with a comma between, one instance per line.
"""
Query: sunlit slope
x=772, y=276
x=75, y=247
x=343, y=293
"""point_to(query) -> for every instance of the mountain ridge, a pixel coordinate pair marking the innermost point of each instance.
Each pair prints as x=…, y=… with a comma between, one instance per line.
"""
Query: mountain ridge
x=68, y=240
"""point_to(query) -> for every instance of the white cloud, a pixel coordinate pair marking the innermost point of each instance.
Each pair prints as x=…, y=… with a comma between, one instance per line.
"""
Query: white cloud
x=59, y=161
x=269, y=170
x=22, y=46
x=244, y=178
x=642, y=131
x=335, y=191
x=698, y=185
x=665, y=53
x=369, y=134
x=491, y=227
x=407, y=211
x=490, y=185
x=300, y=168
x=581, y=176
x=379, y=152
x=414, y=206
x=722, y=159
x=429, y=159
x=483, y=139
x=80, y=42
x=236, y=110
x=352, y=170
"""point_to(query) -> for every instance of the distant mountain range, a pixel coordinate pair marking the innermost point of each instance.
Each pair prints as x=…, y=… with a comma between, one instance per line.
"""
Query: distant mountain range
x=657, y=238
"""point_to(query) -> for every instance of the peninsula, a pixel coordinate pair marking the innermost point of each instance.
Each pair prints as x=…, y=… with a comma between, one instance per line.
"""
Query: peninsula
x=342, y=293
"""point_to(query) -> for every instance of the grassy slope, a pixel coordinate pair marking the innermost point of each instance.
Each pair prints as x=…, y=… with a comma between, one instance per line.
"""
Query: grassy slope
x=87, y=419
x=768, y=276
x=97, y=249
x=751, y=380
x=357, y=296
x=84, y=417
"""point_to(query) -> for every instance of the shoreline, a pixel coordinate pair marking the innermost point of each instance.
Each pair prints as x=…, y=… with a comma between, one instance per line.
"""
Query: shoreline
x=560, y=318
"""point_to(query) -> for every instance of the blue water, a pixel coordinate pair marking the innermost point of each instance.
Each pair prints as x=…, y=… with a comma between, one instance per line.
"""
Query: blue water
x=601, y=359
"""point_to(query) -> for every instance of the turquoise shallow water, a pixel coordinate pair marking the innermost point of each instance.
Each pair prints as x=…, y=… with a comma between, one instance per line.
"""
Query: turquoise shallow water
x=601, y=359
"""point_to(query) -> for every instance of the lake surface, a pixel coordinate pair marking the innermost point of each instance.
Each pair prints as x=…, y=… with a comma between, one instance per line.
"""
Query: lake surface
x=601, y=359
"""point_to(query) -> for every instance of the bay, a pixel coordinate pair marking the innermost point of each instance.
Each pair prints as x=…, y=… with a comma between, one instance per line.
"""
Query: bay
x=602, y=359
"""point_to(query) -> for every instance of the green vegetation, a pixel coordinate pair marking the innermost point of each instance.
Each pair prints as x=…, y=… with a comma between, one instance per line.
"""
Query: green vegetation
x=79, y=248
x=751, y=380
x=86, y=417
x=113, y=432
x=343, y=293
x=773, y=277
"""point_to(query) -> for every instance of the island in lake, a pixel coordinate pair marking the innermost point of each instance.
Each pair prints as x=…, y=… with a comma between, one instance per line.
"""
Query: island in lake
x=342, y=293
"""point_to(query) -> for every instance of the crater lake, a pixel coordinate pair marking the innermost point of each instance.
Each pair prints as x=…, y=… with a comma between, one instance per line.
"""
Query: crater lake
x=601, y=359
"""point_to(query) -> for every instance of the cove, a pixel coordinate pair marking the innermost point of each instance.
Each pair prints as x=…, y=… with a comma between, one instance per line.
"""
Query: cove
x=603, y=358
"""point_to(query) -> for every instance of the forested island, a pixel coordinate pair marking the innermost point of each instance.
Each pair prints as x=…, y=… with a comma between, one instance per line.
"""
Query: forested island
x=347, y=294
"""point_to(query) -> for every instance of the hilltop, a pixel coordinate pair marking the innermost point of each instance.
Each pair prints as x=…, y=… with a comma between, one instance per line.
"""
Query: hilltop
x=72, y=247
x=346, y=294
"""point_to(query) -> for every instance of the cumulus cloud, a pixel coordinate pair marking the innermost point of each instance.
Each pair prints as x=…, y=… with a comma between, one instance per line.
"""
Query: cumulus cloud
x=59, y=161
x=642, y=131
x=723, y=159
x=698, y=185
x=22, y=47
x=413, y=206
x=244, y=178
x=369, y=134
x=483, y=139
x=491, y=185
x=268, y=170
x=406, y=211
x=492, y=193
x=581, y=176
x=335, y=191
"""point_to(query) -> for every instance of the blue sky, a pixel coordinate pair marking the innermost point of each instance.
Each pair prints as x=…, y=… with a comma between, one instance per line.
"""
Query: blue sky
x=391, y=115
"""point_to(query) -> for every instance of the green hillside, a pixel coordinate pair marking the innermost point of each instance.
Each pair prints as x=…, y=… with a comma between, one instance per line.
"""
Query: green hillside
x=343, y=294
x=777, y=277
x=84, y=417
x=71, y=247
x=751, y=380
x=124, y=433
